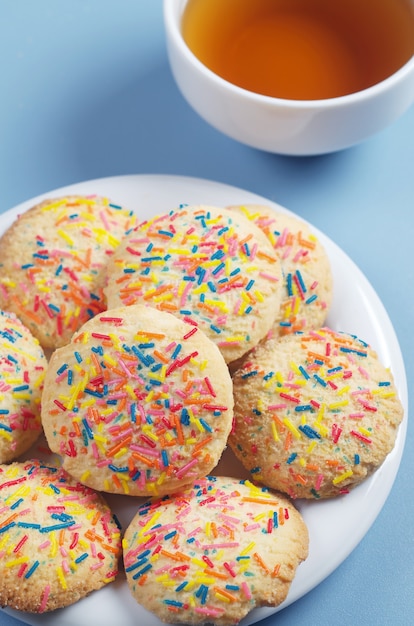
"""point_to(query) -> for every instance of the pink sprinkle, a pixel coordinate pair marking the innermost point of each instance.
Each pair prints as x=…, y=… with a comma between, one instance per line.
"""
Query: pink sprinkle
x=183, y=470
x=246, y=590
x=319, y=482
x=217, y=546
x=269, y=277
x=363, y=372
x=44, y=599
x=208, y=611
x=361, y=436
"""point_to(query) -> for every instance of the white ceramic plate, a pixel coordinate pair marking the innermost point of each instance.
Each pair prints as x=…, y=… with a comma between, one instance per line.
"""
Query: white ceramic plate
x=334, y=528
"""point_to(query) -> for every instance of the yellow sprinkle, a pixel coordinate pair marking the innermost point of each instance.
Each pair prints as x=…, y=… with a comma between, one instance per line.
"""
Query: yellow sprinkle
x=65, y=236
x=259, y=295
x=274, y=431
x=26, y=354
x=342, y=477
x=258, y=517
x=295, y=432
x=7, y=282
x=149, y=524
x=161, y=478
x=84, y=476
x=248, y=548
x=108, y=359
x=235, y=338
x=337, y=405
x=61, y=577
x=53, y=542
x=19, y=561
x=344, y=389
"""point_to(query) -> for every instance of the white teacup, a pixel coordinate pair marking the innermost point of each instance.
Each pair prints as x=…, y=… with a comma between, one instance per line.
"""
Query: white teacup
x=284, y=126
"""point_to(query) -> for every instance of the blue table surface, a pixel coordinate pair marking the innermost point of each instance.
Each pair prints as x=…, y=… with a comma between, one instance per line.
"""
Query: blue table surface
x=86, y=92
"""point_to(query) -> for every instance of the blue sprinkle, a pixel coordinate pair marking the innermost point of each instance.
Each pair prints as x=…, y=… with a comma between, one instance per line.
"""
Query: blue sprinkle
x=177, y=351
x=32, y=569
x=174, y=603
x=303, y=407
x=16, y=504
x=21, y=388
x=215, y=329
x=292, y=458
x=309, y=432
x=142, y=571
x=249, y=374
x=218, y=269
x=88, y=429
x=81, y=558
x=115, y=468
x=320, y=380
x=4, y=528
x=300, y=280
x=289, y=284
x=205, y=425
x=311, y=299
x=170, y=535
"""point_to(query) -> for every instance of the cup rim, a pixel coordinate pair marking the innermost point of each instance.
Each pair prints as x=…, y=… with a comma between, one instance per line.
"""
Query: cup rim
x=172, y=24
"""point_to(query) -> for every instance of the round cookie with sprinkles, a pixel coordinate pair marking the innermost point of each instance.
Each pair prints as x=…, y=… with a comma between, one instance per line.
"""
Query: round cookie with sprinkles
x=315, y=413
x=22, y=371
x=58, y=538
x=53, y=257
x=204, y=263
x=213, y=552
x=307, y=277
x=140, y=402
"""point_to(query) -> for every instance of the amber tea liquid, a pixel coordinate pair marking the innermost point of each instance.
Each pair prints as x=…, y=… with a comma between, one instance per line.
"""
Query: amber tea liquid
x=301, y=49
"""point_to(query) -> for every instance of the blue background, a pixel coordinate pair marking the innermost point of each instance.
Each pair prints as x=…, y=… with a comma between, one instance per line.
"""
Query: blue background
x=86, y=92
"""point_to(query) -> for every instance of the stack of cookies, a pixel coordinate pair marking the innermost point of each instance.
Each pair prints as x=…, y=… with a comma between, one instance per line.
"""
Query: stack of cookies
x=170, y=340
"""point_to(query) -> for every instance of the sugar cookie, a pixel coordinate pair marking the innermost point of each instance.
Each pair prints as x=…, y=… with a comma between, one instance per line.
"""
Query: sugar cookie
x=315, y=413
x=140, y=402
x=306, y=269
x=213, y=552
x=52, y=260
x=22, y=370
x=58, y=539
x=206, y=263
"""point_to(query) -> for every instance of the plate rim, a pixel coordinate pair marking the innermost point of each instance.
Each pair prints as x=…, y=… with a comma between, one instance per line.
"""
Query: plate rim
x=391, y=463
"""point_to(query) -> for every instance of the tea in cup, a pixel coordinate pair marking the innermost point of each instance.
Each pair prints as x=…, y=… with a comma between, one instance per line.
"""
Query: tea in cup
x=294, y=76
